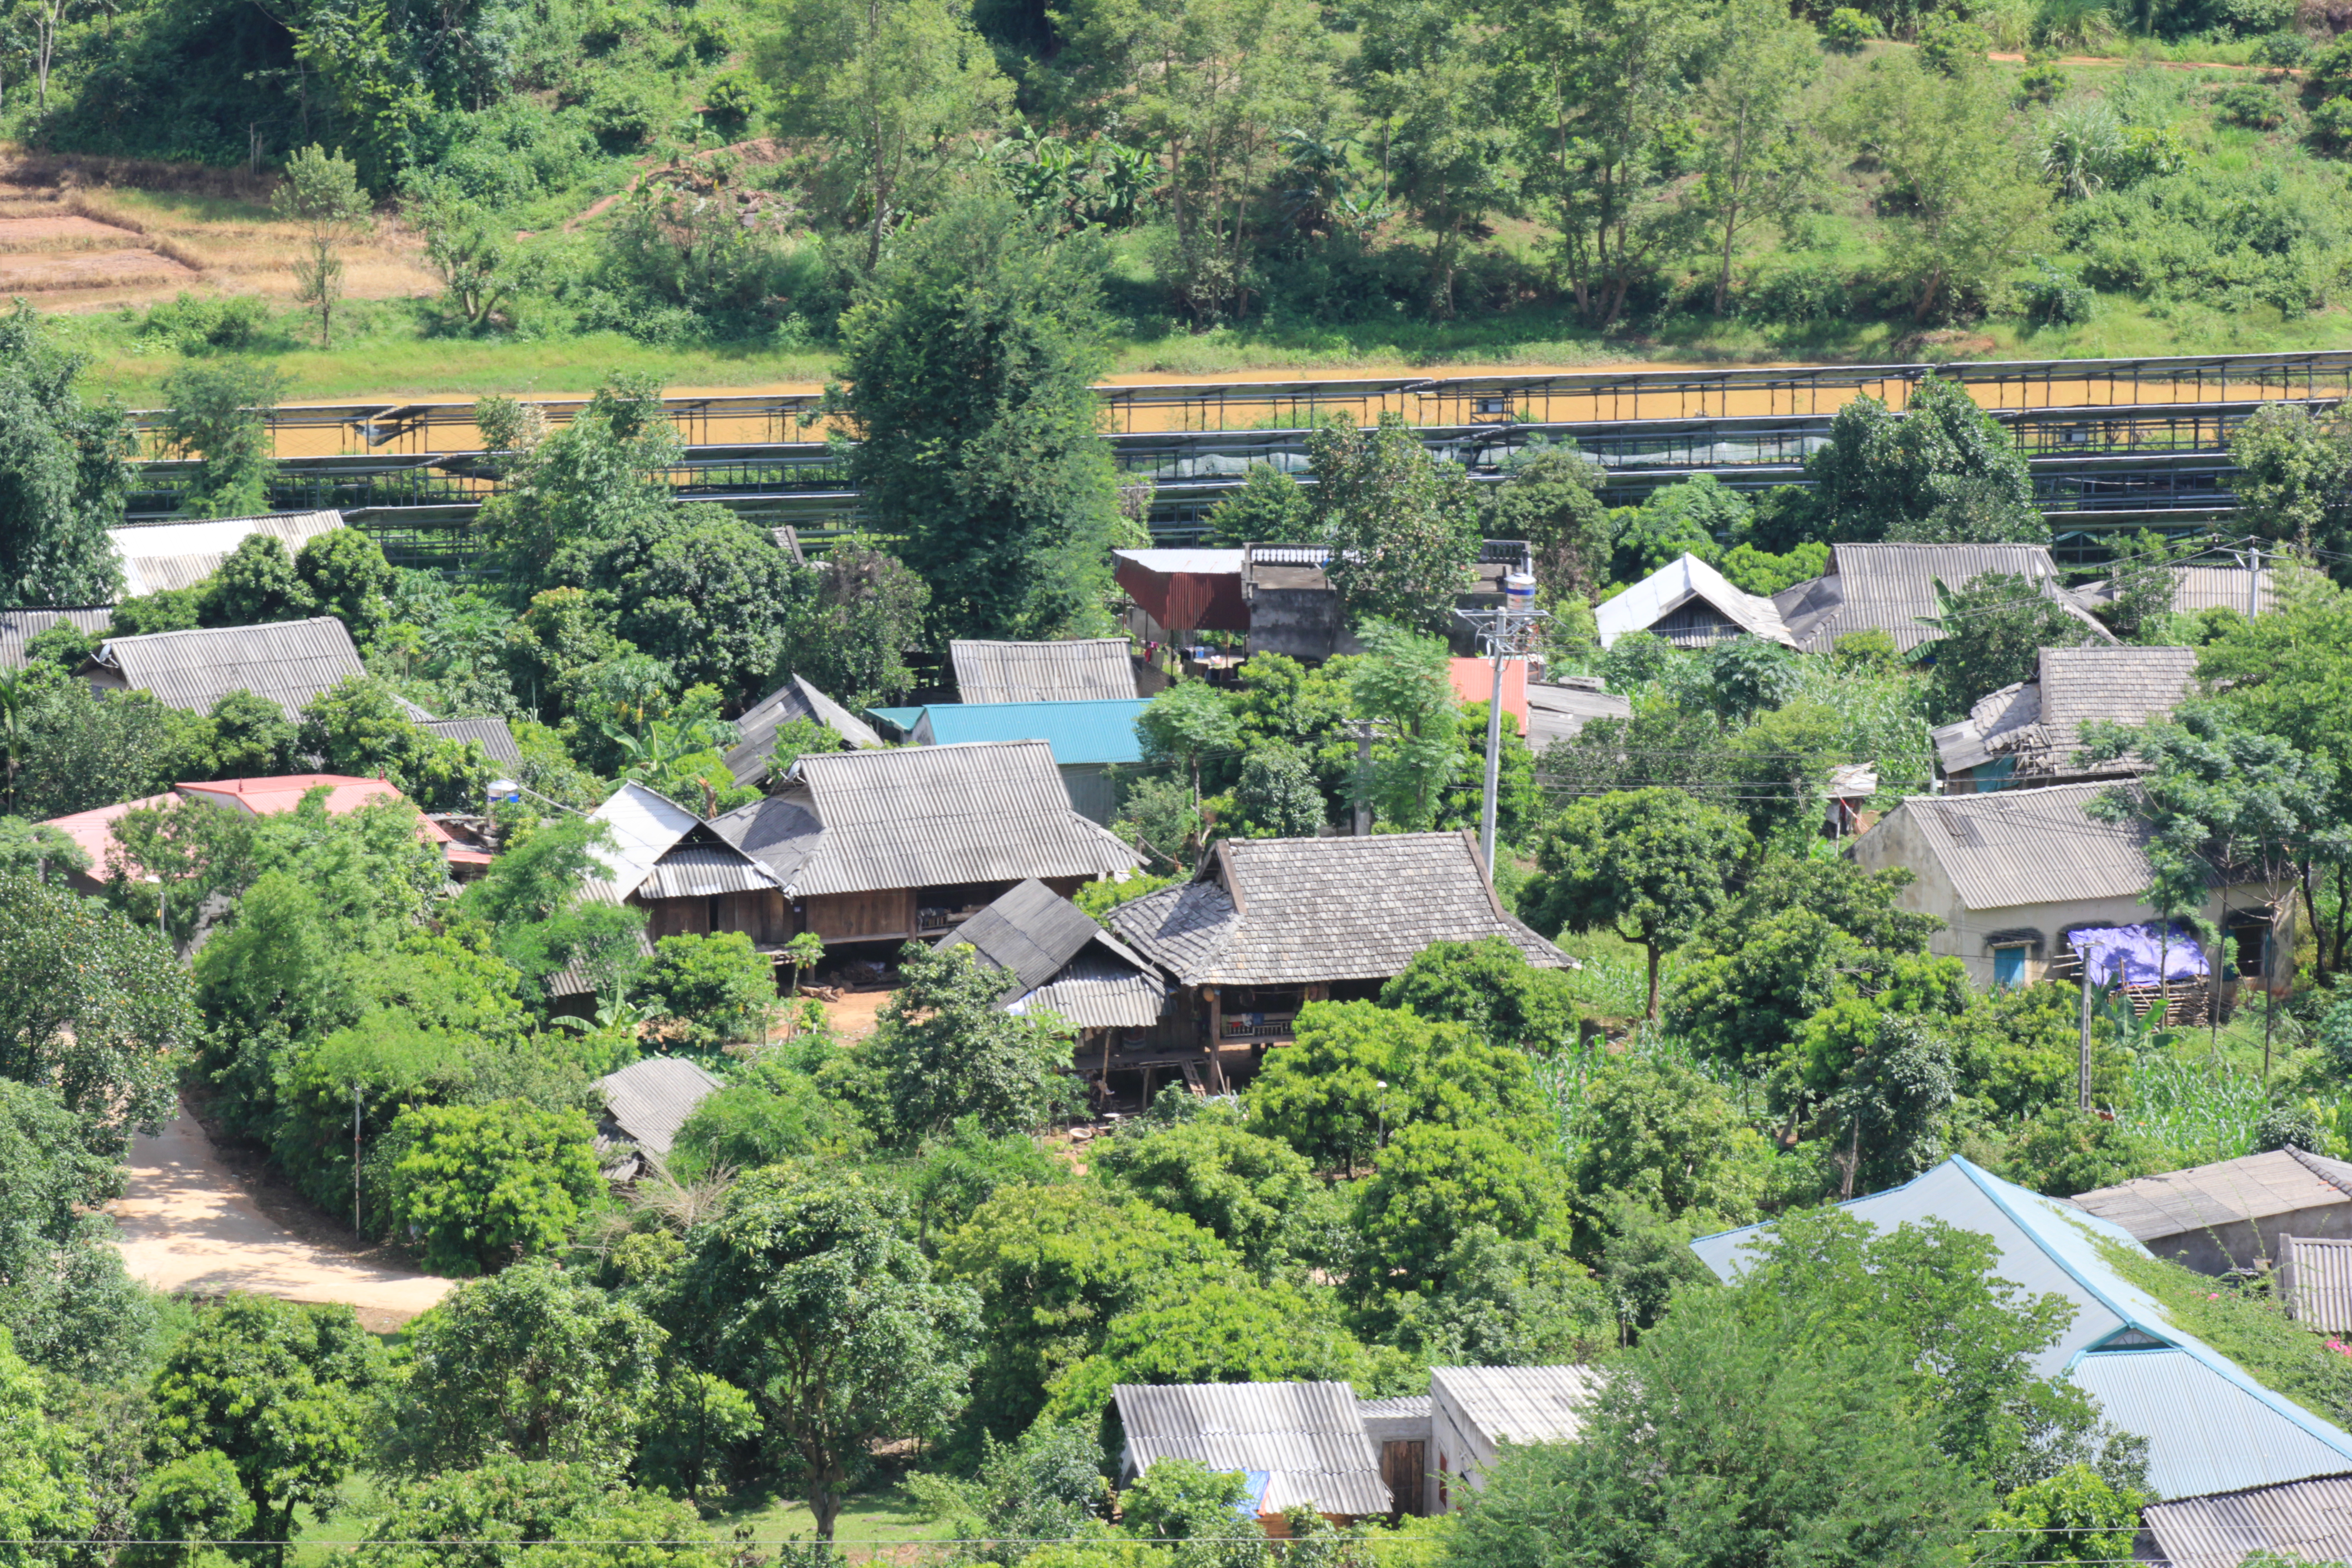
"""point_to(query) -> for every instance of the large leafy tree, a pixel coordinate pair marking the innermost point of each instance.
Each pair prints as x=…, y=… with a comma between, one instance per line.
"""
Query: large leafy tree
x=43, y=1498
x=64, y=472
x=1434, y=1182
x=280, y=1389
x=853, y=640
x=805, y=1295
x=1650, y=864
x=1404, y=682
x=569, y=493
x=705, y=591
x=1551, y=497
x=1654, y=1131
x=91, y=1007
x=970, y=356
x=483, y=1184
x=2294, y=475
x=1941, y=470
x=1425, y=78
x=1756, y=163
x=1993, y=632
x=945, y=1051
x=571, y=1515
x=64, y=1296
x=1489, y=986
x=1249, y=1190
x=1402, y=526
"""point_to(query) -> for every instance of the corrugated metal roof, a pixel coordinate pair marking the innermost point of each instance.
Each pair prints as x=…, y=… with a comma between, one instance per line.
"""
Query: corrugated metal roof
x=1559, y=712
x=795, y=699
x=1029, y=930
x=2311, y=1520
x=1098, y=990
x=2254, y=1186
x=159, y=555
x=290, y=662
x=1307, y=1436
x=924, y=816
x=2013, y=847
x=18, y=627
x=1271, y=911
x=2196, y=588
x=1079, y=732
x=1677, y=583
x=1519, y=1404
x=1206, y=562
x=644, y=824
x=691, y=870
x=497, y=741
x=649, y=1100
x=1890, y=587
x=2316, y=1278
x=1083, y=670
x=1404, y=1419
x=2210, y=1426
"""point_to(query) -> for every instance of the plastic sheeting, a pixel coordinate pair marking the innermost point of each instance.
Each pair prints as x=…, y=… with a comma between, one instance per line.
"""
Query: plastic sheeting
x=2143, y=954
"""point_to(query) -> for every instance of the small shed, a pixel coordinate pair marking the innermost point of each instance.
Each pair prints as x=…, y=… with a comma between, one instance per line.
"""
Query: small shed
x=1558, y=710
x=290, y=662
x=18, y=627
x=2234, y=1214
x=2307, y=1521
x=1184, y=590
x=796, y=699
x=1088, y=740
x=1399, y=1428
x=2316, y=1282
x=1297, y=1442
x=1475, y=1410
x=644, y=1105
x=1891, y=588
x=1082, y=670
x=155, y=556
x=1690, y=604
x=2030, y=731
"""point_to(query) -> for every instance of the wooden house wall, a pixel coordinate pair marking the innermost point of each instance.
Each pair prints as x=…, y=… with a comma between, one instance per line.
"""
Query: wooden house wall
x=764, y=916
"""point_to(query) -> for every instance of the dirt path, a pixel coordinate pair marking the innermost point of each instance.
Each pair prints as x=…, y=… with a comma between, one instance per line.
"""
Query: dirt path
x=853, y=1017
x=188, y=1228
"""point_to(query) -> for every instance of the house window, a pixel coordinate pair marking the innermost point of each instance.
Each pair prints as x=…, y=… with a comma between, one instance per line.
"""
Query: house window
x=2008, y=966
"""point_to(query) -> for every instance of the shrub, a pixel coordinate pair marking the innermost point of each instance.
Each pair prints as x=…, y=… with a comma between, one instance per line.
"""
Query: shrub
x=714, y=989
x=2331, y=125
x=2281, y=52
x=2053, y=298
x=193, y=326
x=2043, y=83
x=1792, y=295
x=2254, y=107
x=1948, y=44
x=1847, y=31
x=479, y=1185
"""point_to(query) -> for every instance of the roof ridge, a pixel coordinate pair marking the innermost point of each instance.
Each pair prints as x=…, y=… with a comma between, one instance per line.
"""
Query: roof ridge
x=2305, y=1157
x=1978, y=1177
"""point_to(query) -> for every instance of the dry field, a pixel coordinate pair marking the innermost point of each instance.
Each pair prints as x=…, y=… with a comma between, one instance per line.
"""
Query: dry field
x=80, y=234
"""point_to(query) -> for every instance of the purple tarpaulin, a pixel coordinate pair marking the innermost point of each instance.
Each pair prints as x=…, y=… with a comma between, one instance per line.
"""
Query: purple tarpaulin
x=2138, y=951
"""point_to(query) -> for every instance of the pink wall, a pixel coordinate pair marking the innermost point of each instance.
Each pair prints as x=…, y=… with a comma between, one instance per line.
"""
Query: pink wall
x=1473, y=681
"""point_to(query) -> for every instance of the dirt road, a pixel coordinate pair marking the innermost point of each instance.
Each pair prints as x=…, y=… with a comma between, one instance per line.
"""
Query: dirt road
x=189, y=1228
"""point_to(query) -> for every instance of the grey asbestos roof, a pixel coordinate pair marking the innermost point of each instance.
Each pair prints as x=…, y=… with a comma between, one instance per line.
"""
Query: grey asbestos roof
x=795, y=699
x=1031, y=932
x=497, y=741
x=2040, y=722
x=290, y=662
x=2210, y=1426
x=648, y=1101
x=1404, y=1419
x=2020, y=847
x=2254, y=1186
x=159, y=555
x=1679, y=582
x=2196, y=588
x=18, y=627
x=1519, y=1404
x=661, y=850
x=703, y=871
x=1889, y=587
x=923, y=816
x=1305, y=1438
x=1085, y=669
x=1098, y=990
x=1272, y=911
x=1559, y=713
x=2315, y=1279
x=2310, y=1521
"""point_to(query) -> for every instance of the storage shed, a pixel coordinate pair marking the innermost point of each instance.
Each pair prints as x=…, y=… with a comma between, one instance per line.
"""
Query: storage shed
x=1296, y=1442
x=2235, y=1213
x=1475, y=1410
x=1058, y=960
x=644, y=1105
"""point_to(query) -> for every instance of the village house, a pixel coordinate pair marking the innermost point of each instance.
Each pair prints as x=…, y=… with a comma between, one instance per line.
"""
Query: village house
x=2209, y=1426
x=2233, y=1214
x=155, y=556
x=687, y=877
x=644, y=1105
x=2197, y=588
x=891, y=845
x=1296, y=1442
x=1266, y=925
x=1891, y=588
x=18, y=627
x=2014, y=874
x=1439, y=1447
x=1058, y=960
x=1690, y=604
x=2032, y=732
x=1088, y=738
x=290, y=662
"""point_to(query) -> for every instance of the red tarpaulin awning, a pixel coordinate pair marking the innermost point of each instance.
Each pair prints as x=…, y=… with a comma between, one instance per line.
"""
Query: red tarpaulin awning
x=1186, y=590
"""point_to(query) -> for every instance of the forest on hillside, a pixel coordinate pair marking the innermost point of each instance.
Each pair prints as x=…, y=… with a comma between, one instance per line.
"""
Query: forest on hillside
x=1735, y=176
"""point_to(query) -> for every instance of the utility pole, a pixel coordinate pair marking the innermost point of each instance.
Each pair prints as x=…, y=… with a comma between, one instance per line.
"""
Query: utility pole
x=1366, y=731
x=2254, y=580
x=356, y=1098
x=2083, y=1058
x=1508, y=633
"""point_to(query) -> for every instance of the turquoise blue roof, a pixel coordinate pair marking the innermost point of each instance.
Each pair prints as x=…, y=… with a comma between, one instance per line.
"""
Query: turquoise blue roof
x=904, y=717
x=2211, y=1426
x=1100, y=732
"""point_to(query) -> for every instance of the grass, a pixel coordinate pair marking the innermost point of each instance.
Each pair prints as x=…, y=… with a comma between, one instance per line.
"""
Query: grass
x=884, y=1516
x=2249, y=1326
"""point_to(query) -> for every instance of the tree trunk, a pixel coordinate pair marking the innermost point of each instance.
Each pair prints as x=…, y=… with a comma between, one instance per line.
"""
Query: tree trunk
x=1723, y=279
x=1653, y=982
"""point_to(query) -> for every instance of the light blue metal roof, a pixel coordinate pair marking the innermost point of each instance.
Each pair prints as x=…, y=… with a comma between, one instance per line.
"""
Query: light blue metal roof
x=2209, y=1426
x=1096, y=732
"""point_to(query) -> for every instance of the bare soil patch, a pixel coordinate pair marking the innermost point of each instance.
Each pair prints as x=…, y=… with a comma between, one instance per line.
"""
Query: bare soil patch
x=94, y=270
x=853, y=1017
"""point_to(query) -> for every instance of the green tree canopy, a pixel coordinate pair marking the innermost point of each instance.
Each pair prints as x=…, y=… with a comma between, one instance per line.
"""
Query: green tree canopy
x=1489, y=986
x=1992, y=633
x=944, y=1050
x=1249, y=1191
x=531, y=1512
x=64, y=473
x=1941, y=470
x=483, y=1184
x=1402, y=526
x=1434, y=1182
x=65, y=1301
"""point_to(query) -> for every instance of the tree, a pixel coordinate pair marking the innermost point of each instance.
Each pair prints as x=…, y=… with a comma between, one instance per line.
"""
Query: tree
x=1217, y=1334
x=65, y=470
x=217, y=413
x=1504, y=1303
x=1189, y=721
x=1654, y=1132
x=255, y=584
x=1403, y=527
x=1424, y=76
x=467, y=251
x=68, y=1304
x=569, y=493
x=1432, y=1184
x=523, y=1511
x=1992, y=633
x=91, y=1007
x=1551, y=497
x=361, y=727
x=717, y=989
x=2293, y=478
x=42, y=1498
x=184, y=1506
x=894, y=88
x=1247, y=1190
x=1943, y=470
x=484, y=1184
x=972, y=353
x=1405, y=682
x=852, y=642
x=1277, y=795
x=37, y=850
x=348, y=577
x=322, y=195
x=2075, y=1516
x=1489, y=986
x=277, y=1388
x=1756, y=164
x=770, y=1111
x=1890, y=1109
x=804, y=1295
x=705, y=591
x=530, y=1364
x=943, y=1050
x=1650, y=864
x=1977, y=202
x=1271, y=507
